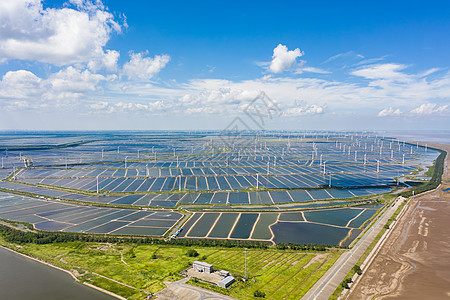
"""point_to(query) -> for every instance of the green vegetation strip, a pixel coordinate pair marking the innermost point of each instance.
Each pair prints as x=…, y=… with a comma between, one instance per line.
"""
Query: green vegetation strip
x=437, y=169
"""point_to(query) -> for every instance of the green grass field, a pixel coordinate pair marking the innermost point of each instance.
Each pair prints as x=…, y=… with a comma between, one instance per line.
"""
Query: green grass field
x=280, y=274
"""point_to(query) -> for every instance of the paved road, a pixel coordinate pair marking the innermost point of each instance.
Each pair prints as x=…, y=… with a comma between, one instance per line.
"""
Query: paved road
x=334, y=276
x=180, y=290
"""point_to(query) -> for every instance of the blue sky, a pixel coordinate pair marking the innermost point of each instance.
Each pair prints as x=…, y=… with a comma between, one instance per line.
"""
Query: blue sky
x=196, y=65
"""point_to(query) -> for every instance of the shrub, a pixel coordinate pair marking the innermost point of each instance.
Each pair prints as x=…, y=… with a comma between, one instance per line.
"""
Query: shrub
x=357, y=269
x=259, y=294
x=192, y=253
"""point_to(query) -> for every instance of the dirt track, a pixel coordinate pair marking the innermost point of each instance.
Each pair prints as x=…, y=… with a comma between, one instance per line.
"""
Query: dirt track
x=414, y=263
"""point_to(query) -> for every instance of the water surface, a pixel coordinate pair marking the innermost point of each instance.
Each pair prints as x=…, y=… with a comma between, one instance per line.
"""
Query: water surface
x=23, y=278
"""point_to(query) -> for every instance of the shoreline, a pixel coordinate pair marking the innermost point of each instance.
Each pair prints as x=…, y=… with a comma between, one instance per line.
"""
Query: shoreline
x=65, y=271
x=361, y=283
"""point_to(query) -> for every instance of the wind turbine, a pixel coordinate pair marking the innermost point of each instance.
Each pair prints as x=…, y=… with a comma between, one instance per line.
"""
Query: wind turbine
x=257, y=181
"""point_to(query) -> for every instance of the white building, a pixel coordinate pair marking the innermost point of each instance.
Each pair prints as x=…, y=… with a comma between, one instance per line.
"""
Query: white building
x=226, y=282
x=201, y=266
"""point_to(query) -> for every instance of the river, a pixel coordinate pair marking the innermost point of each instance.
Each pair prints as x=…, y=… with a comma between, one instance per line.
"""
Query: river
x=24, y=278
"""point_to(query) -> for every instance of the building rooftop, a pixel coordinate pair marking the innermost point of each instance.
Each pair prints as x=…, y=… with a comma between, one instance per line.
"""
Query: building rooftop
x=227, y=279
x=202, y=263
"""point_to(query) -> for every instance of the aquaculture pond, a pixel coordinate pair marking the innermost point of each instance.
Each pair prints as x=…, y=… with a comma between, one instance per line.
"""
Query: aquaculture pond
x=308, y=233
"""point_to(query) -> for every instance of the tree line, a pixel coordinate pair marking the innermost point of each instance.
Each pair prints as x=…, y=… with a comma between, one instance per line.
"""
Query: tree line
x=15, y=236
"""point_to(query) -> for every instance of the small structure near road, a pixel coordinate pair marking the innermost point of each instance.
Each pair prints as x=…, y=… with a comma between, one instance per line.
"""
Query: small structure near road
x=205, y=272
x=226, y=282
x=201, y=266
x=224, y=273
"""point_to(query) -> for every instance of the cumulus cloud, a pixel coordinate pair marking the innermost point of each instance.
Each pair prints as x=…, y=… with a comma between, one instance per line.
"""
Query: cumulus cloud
x=22, y=89
x=108, y=61
x=282, y=58
x=389, y=112
x=59, y=36
x=429, y=109
x=72, y=79
x=219, y=97
x=19, y=84
x=144, y=68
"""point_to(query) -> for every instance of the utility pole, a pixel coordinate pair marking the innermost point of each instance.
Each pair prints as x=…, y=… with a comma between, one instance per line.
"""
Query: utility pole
x=245, y=264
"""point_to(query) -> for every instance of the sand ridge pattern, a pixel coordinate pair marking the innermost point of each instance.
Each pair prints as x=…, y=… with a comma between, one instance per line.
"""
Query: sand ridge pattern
x=414, y=263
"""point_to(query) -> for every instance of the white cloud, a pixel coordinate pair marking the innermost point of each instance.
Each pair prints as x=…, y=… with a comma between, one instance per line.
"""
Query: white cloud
x=99, y=105
x=388, y=71
x=127, y=107
x=283, y=59
x=428, y=109
x=57, y=36
x=17, y=105
x=108, y=61
x=218, y=97
x=305, y=110
x=20, y=84
x=428, y=72
x=144, y=68
x=389, y=112
x=312, y=70
x=75, y=80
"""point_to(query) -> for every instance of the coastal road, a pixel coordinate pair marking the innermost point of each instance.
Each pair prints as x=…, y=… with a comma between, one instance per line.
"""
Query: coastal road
x=325, y=287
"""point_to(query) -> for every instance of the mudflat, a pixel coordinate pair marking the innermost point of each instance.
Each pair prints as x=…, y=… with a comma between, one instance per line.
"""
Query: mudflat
x=414, y=263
